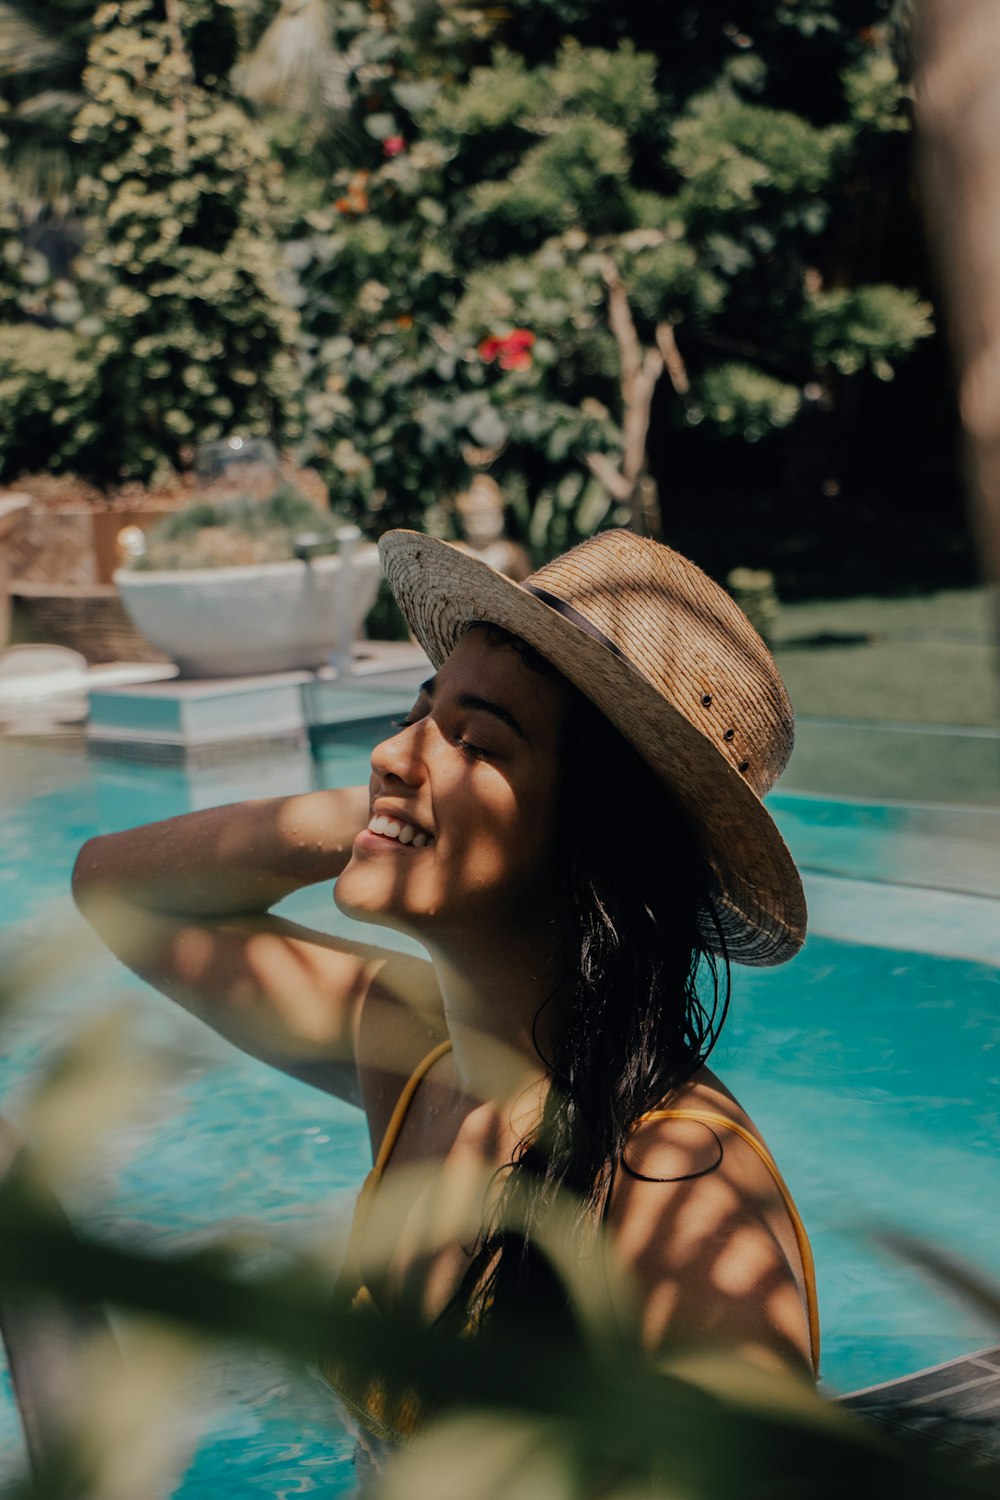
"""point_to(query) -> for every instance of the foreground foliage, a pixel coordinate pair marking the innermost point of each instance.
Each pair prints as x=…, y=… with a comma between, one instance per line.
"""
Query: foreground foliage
x=522, y=1414
x=575, y=1422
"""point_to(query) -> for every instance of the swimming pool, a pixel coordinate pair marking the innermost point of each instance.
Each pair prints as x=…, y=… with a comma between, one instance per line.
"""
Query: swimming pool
x=871, y=1064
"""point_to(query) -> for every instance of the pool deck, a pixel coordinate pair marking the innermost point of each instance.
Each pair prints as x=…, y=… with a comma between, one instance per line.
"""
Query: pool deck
x=896, y=699
x=954, y=1405
x=877, y=914
x=162, y=719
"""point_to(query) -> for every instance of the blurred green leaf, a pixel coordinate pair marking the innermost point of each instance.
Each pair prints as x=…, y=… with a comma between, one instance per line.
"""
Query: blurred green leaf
x=702, y=1426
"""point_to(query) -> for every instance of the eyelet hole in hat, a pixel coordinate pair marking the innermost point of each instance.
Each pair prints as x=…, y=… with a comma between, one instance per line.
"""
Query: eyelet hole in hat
x=744, y=765
x=706, y=699
x=729, y=734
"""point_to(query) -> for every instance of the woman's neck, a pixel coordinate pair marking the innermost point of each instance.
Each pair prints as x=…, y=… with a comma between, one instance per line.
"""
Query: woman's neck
x=503, y=1002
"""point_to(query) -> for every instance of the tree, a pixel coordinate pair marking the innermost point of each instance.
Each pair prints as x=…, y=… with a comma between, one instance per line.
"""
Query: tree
x=43, y=52
x=524, y=212
x=958, y=52
x=192, y=333
x=633, y=259
x=177, y=311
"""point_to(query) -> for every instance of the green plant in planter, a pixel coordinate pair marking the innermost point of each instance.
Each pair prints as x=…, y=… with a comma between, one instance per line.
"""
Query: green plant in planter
x=238, y=532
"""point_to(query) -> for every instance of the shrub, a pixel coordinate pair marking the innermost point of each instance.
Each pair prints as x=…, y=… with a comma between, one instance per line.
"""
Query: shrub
x=454, y=287
x=237, y=532
x=195, y=337
x=49, y=400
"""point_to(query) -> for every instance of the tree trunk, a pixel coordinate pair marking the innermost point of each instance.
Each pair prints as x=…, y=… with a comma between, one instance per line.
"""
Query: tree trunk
x=632, y=484
x=957, y=90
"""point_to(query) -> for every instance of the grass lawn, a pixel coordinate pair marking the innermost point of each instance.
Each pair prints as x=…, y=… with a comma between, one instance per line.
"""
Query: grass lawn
x=926, y=660
x=865, y=674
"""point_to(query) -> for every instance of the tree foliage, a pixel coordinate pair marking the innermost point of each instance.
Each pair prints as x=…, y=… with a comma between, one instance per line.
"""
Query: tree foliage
x=495, y=168
x=182, y=316
x=551, y=240
x=43, y=50
x=50, y=399
x=194, y=337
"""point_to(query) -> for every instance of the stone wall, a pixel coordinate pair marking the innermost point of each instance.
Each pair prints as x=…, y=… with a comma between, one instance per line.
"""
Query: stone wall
x=55, y=547
x=89, y=618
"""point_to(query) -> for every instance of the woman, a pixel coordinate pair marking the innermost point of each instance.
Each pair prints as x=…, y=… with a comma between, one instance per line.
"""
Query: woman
x=569, y=821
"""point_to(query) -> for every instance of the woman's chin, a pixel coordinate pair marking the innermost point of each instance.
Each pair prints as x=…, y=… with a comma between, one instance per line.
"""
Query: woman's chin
x=366, y=900
x=350, y=898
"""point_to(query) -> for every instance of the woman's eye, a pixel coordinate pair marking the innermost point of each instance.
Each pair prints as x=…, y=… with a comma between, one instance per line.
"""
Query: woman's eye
x=411, y=717
x=474, y=752
x=467, y=747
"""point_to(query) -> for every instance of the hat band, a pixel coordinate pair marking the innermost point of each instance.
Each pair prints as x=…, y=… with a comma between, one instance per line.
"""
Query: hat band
x=575, y=618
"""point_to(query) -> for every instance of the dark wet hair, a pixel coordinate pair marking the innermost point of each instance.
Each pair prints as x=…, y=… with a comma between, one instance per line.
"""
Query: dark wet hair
x=636, y=896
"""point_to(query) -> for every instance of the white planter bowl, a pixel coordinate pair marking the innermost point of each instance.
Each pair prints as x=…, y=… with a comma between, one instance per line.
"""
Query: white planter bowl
x=231, y=622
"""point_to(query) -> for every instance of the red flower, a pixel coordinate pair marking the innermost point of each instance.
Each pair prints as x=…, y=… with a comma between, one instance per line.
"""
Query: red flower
x=513, y=351
x=393, y=145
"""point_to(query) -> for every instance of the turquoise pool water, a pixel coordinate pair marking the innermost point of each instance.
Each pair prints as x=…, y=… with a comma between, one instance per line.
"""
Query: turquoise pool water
x=872, y=1066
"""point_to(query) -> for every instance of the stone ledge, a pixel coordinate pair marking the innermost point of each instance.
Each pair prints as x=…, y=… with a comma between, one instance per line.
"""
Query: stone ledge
x=193, y=756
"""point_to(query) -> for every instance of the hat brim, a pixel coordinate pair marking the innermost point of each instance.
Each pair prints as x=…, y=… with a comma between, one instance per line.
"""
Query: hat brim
x=760, y=902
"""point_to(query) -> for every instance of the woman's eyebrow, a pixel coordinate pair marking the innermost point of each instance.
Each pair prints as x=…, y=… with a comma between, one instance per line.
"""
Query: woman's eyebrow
x=486, y=706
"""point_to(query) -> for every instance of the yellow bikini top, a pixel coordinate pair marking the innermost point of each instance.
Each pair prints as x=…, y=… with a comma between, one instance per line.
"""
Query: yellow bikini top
x=396, y=1415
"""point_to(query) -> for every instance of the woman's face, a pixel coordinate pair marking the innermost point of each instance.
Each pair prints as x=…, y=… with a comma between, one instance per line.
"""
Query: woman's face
x=463, y=802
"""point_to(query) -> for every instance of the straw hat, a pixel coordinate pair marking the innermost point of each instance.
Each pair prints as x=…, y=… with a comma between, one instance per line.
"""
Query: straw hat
x=678, y=669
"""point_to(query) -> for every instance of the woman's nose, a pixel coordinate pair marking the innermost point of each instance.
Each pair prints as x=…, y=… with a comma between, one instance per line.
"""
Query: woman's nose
x=399, y=756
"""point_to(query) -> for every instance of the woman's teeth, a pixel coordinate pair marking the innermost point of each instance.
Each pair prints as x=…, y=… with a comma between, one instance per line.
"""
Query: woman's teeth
x=404, y=833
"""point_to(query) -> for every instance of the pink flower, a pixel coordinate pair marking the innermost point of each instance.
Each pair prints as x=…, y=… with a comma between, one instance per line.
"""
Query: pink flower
x=513, y=351
x=393, y=145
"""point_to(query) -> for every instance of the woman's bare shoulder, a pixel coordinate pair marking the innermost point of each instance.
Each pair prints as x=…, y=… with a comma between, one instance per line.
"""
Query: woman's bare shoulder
x=669, y=1142
x=697, y=1220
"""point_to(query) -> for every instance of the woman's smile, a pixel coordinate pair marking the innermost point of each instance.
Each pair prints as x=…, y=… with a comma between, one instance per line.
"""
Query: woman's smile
x=389, y=832
x=396, y=826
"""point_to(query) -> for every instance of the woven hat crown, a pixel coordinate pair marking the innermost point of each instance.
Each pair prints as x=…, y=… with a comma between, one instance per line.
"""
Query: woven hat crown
x=689, y=640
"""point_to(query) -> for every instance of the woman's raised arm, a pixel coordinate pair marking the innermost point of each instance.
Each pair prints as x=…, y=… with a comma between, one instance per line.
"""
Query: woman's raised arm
x=225, y=861
x=185, y=904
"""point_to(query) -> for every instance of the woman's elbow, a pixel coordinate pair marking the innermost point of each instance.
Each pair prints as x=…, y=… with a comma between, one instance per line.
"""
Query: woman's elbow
x=82, y=881
x=101, y=897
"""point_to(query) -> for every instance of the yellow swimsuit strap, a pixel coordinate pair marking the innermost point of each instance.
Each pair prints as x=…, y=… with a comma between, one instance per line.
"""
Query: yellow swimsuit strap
x=706, y=1117
x=351, y=1268
x=387, y=1413
x=403, y=1103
